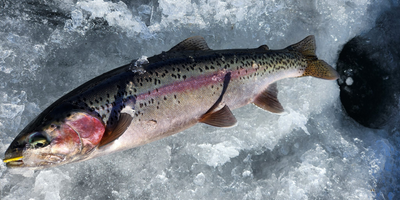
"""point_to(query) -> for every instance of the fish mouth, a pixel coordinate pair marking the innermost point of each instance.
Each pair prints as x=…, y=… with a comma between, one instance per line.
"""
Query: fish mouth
x=48, y=160
x=14, y=162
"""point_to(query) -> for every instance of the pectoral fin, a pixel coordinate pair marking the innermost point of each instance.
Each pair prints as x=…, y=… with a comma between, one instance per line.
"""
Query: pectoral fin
x=220, y=118
x=268, y=100
x=116, y=131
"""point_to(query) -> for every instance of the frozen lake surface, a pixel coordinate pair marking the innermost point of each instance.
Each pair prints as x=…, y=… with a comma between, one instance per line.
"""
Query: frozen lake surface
x=313, y=151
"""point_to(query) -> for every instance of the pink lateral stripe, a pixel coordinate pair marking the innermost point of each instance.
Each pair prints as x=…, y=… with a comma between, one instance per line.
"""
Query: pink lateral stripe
x=194, y=83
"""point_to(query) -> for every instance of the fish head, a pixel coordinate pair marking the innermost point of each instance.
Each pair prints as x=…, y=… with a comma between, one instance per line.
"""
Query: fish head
x=48, y=142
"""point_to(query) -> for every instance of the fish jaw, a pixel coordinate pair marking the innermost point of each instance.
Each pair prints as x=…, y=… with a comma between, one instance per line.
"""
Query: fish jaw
x=72, y=140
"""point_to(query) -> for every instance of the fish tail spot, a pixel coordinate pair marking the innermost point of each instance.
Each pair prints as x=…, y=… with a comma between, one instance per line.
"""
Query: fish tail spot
x=320, y=69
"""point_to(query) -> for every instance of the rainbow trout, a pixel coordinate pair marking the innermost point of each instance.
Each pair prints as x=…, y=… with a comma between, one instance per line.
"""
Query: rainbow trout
x=152, y=98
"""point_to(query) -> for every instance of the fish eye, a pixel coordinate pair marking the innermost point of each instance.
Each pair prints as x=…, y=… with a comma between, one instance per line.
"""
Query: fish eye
x=38, y=140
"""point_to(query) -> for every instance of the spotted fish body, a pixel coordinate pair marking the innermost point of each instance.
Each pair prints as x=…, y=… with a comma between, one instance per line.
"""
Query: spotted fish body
x=156, y=97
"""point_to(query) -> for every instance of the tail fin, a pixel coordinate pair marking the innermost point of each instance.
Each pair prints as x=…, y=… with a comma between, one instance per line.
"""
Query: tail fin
x=316, y=68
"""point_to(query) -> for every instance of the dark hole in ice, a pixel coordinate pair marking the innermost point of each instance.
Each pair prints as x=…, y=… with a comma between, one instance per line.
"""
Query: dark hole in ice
x=369, y=73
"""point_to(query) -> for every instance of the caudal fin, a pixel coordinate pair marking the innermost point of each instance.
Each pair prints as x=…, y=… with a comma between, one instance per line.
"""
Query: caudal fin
x=316, y=68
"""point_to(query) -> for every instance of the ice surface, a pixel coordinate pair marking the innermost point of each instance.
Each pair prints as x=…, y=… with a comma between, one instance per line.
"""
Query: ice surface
x=137, y=66
x=312, y=151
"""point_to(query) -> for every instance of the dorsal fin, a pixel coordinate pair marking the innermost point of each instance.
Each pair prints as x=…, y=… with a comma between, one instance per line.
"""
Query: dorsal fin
x=124, y=121
x=263, y=47
x=306, y=47
x=268, y=100
x=192, y=43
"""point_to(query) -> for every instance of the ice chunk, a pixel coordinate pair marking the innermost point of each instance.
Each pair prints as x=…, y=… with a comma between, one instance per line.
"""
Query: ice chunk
x=145, y=12
x=137, y=66
x=8, y=110
x=381, y=157
x=116, y=14
x=246, y=173
x=49, y=184
x=76, y=22
x=218, y=154
x=349, y=81
x=77, y=18
x=292, y=120
x=199, y=179
x=161, y=178
x=3, y=66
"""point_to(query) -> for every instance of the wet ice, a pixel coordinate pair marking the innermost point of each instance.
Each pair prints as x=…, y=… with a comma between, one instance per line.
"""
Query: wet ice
x=311, y=151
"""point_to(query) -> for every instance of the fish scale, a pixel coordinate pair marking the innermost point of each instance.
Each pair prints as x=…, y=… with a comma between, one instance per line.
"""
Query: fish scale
x=152, y=98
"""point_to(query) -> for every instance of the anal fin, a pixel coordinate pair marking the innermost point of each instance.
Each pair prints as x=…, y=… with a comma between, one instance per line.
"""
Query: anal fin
x=116, y=131
x=220, y=118
x=268, y=100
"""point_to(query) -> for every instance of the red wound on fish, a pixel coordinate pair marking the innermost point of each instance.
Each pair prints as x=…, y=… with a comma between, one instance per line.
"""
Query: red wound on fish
x=66, y=139
x=89, y=128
